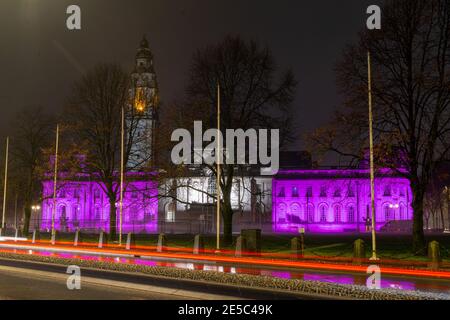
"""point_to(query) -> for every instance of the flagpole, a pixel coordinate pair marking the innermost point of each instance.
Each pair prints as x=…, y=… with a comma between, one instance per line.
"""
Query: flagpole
x=218, y=171
x=121, y=177
x=5, y=183
x=372, y=170
x=53, y=240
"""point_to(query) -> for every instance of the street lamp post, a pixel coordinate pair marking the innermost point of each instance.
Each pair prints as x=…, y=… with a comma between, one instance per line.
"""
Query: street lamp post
x=218, y=172
x=5, y=185
x=53, y=239
x=447, y=191
x=372, y=173
x=35, y=209
x=122, y=143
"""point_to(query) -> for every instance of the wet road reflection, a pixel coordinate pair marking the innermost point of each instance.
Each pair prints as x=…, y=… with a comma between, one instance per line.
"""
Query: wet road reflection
x=394, y=282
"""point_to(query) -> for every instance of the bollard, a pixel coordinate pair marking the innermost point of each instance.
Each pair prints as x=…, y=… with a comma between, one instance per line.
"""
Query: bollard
x=252, y=240
x=241, y=246
x=297, y=249
x=434, y=254
x=131, y=241
x=78, y=238
x=161, y=242
x=102, y=239
x=36, y=236
x=199, y=244
x=359, y=251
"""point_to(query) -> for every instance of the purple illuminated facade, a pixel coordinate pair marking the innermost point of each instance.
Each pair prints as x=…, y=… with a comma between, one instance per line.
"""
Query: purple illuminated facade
x=84, y=205
x=333, y=201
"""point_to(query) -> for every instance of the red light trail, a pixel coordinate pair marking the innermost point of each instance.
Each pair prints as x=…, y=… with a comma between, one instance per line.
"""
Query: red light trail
x=224, y=257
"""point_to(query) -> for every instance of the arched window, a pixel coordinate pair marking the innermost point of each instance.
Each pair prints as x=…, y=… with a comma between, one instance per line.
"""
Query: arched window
x=170, y=212
x=387, y=213
x=351, y=214
x=310, y=213
x=323, y=214
x=295, y=211
x=337, y=214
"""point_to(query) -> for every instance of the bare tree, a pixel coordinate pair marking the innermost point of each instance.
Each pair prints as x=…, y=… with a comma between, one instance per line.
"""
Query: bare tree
x=411, y=90
x=251, y=98
x=32, y=130
x=94, y=115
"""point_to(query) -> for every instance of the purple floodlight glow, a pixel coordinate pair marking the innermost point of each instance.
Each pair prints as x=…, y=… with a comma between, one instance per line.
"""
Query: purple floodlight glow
x=334, y=201
x=85, y=206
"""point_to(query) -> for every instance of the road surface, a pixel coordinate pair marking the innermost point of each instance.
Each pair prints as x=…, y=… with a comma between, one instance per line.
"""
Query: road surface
x=36, y=281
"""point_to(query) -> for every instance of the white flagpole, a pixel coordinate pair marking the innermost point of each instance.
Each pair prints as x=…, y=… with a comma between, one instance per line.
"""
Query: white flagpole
x=218, y=171
x=53, y=240
x=372, y=170
x=121, y=177
x=5, y=183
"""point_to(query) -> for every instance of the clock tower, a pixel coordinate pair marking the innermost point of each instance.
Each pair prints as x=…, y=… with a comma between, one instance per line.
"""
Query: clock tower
x=142, y=114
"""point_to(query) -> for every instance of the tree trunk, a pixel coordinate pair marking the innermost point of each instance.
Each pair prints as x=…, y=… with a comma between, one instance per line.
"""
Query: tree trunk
x=27, y=217
x=112, y=218
x=419, y=245
x=227, y=216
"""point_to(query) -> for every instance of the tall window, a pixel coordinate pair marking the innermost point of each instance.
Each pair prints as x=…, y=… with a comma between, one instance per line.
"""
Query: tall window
x=402, y=212
x=170, y=212
x=323, y=214
x=281, y=192
x=62, y=212
x=295, y=192
x=337, y=214
x=387, y=213
x=323, y=192
x=98, y=213
x=387, y=191
x=310, y=213
x=97, y=194
x=337, y=193
x=75, y=212
x=350, y=192
x=351, y=214
x=309, y=192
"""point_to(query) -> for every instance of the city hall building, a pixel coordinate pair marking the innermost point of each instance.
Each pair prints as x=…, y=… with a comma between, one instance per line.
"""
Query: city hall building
x=299, y=196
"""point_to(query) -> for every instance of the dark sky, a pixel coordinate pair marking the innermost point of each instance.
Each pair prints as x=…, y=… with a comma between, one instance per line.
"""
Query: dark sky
x=40, y=59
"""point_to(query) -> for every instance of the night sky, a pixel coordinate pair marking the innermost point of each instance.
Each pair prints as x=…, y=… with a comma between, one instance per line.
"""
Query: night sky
x=40, y=59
